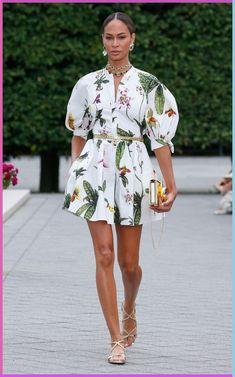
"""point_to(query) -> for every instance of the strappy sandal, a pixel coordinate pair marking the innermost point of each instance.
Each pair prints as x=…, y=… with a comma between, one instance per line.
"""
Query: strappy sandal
x=133, y=332
x=117, y=357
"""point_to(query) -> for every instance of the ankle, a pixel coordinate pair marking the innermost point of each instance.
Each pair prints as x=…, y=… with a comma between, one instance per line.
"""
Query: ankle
x=116, y=338
x=129, y=306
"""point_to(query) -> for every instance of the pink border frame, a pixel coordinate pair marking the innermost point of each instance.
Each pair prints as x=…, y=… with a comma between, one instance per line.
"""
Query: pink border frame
x=1, y=156
x=117, y=1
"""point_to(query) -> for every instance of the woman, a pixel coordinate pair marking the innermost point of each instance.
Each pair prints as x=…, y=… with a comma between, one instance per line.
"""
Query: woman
x=110, y=173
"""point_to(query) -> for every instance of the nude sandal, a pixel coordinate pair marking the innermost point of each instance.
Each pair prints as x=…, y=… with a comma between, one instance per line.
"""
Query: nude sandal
x=117, y=357
x=133, y=332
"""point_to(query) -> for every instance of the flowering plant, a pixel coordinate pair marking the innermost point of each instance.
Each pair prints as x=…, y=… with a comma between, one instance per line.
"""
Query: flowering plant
x=9, y=175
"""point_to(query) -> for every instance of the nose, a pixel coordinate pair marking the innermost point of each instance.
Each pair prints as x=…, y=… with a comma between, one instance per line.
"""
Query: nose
x=115, y=42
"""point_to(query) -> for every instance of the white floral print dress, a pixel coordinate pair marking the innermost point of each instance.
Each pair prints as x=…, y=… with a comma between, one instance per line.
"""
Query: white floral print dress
x=110, y=179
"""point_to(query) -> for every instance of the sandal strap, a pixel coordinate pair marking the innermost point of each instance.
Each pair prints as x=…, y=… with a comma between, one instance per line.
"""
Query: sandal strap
x=128, y=316
x=117, y=343
x=115, y=354
x=130, y=332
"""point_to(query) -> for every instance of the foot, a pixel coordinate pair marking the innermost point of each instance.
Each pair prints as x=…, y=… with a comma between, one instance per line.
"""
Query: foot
x=117, y=354
x=129, y=324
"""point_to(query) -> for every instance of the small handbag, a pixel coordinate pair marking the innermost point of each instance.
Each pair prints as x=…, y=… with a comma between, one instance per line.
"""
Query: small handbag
x=157, y=192
x=157, y=195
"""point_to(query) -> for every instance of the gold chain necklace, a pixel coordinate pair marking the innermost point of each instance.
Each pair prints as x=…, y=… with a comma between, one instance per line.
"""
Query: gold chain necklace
x=118, y=71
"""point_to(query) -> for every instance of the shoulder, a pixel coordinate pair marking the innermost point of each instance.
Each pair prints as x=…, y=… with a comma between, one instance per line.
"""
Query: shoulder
x=153, y=87
x=143, y=75
x=91, y=77
x=85, y=82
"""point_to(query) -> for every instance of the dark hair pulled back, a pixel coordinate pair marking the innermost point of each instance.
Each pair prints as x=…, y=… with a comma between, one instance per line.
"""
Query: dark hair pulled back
x=121, y=17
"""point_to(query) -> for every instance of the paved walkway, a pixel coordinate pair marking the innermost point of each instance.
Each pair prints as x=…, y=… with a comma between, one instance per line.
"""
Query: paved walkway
x=52, y=318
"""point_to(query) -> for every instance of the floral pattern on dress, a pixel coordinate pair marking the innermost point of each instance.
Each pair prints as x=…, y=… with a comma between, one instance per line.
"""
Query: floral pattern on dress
x=110, y=179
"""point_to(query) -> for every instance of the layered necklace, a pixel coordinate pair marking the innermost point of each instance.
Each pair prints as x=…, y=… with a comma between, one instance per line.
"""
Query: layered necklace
x=118, y=71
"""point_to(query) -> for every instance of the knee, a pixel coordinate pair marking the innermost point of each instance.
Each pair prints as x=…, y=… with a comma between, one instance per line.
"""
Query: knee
x=129, y=269
x=104, y=256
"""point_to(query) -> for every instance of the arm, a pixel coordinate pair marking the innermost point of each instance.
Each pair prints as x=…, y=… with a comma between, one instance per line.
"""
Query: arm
x=77, y=145
x=163, y=156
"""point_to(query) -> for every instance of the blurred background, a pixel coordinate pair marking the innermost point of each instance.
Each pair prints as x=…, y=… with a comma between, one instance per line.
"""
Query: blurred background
x=48, y=47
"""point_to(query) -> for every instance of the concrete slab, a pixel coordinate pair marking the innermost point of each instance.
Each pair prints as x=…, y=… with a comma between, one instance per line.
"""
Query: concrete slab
x=12, y=200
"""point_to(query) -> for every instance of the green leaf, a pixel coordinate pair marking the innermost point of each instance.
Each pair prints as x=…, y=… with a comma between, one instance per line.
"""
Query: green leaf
x=89, y=190
x=67, y=201
x=82, y=209
x=159, y=100
x=119, y=152
x=79, y=172
x=137, y=216
x=89, y=213
x=148, y=82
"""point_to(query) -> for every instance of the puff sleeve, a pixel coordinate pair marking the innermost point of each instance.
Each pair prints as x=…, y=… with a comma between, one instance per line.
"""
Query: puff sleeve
x=78, y=117
x=161, y=117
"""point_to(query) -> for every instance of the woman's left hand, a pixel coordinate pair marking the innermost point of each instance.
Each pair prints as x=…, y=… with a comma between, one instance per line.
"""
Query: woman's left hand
x=165, y=206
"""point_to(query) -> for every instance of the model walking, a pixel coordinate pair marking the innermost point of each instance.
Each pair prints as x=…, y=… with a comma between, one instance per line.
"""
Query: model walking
x=110, y=173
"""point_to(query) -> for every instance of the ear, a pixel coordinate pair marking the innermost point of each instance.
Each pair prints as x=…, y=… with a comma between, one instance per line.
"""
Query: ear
x=133, y=37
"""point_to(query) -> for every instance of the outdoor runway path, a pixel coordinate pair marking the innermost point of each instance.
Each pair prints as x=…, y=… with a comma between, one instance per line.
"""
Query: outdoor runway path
x=52, y=318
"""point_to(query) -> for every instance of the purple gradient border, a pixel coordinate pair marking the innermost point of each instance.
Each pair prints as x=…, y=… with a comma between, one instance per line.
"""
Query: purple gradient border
x=1, y=209
x=1, y=160
x=117, y=1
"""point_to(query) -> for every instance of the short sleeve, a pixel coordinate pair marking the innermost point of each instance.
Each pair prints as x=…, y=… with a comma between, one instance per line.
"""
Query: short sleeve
x=78, y=117
x=161, y=117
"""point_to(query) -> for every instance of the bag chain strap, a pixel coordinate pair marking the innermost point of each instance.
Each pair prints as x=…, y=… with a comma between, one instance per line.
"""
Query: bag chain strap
x=161, y=233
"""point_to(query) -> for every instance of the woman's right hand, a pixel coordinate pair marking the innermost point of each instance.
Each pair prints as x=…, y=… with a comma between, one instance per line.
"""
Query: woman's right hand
x=165, y=206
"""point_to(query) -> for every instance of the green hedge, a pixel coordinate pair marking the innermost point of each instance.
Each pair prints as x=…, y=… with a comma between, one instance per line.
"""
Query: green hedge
x=47, y=47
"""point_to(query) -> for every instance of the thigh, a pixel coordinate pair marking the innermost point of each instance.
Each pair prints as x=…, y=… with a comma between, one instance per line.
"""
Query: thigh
x=128, y=243
x=102, y=234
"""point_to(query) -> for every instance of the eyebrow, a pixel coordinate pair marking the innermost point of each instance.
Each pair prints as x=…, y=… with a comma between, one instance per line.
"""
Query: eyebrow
x=123, y=33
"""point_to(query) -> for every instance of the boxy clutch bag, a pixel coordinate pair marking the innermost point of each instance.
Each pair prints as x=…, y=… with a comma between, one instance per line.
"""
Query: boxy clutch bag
x=157, y=192
x=157, y=195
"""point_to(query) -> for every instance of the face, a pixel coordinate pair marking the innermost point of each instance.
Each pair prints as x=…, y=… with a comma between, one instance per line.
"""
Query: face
x=117, y=40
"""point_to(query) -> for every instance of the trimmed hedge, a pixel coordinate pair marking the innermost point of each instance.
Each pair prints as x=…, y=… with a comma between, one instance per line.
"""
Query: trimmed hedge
x=47, y=47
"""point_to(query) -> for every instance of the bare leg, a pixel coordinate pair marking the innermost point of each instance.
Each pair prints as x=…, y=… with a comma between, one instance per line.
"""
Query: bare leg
x=102, y=238
x=128, y=242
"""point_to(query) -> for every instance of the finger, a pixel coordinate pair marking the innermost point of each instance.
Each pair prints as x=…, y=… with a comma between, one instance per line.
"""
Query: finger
x=167, y=202
x=160, y=208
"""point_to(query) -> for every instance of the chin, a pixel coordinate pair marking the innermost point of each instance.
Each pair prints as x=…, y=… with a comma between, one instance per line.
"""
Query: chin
x=117, y=58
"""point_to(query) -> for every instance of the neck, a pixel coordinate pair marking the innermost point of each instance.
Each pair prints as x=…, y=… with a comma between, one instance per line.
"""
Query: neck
x=118, y=63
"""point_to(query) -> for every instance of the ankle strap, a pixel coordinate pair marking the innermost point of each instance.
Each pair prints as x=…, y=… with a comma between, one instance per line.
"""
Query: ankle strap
x=117, y=343
x=128, y=316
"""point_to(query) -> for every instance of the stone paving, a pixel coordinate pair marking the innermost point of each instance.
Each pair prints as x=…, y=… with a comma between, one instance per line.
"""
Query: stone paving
x=52, y=318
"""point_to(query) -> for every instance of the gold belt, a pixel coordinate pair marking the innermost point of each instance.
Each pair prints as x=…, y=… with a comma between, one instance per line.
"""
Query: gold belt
x=114, y=137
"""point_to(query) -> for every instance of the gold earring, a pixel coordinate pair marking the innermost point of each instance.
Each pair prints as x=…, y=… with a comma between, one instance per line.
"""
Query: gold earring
x=132, y=46
x=104, y=52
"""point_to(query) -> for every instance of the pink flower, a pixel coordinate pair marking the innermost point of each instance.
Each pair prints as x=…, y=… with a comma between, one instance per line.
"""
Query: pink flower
x=104, y=163
x=124, y=100
x=14, y=181
x=8, y=176
x=7, y=167
x=97, y=99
